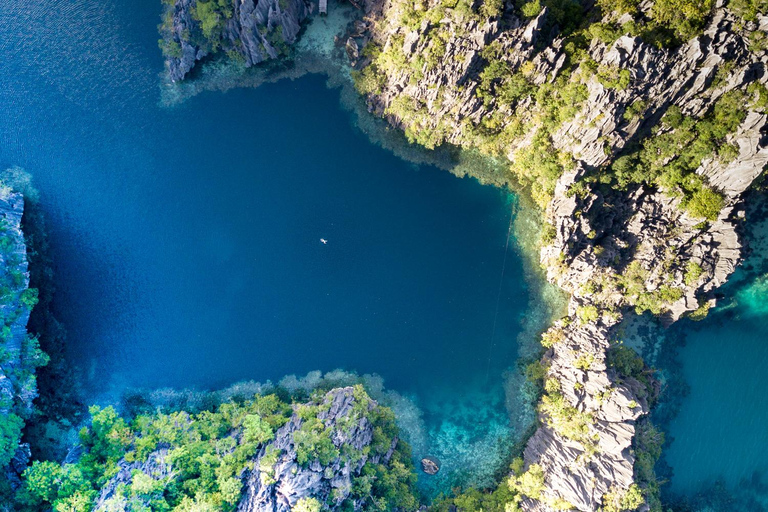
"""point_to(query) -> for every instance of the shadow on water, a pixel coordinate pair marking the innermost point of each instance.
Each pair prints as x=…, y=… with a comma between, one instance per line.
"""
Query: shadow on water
x=713, y=405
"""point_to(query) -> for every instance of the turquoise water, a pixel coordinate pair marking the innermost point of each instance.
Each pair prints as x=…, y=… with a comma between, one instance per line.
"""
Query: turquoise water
x=186, y=240
x=718, y=449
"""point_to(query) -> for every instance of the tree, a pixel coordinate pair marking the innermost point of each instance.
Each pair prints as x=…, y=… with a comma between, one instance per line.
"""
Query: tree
x=10, y=434
x=307, y=505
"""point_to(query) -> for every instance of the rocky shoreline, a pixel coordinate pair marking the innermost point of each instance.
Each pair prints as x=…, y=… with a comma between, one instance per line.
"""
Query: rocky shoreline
x=20, y=354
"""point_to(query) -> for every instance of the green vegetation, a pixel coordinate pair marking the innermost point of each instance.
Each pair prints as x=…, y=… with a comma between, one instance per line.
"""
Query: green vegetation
x=632, y=283
x=748, y=9
x=685, y=18
x=212, y=16
x=693, y=272
x=198, y=459
x=565, y=419
x=670, y=157
x=307, y=505
x=18, y=357
x=618, y=500
x=588, y=314
x=552, y=336
x=647, y=445
x=10, y=434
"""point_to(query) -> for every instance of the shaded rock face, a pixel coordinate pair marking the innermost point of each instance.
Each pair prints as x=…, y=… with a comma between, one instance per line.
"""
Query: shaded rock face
x=289, y=481
x=14, y=273
x=254, y=32
x=17, y=382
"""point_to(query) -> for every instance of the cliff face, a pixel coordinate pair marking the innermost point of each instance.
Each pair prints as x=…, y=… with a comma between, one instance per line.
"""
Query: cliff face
x=19, y=353
x=249, y=31
x=280, y=487
x=15, y=279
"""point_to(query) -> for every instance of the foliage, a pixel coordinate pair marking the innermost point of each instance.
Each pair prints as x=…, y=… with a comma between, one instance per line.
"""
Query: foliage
x=500, y=499
x=530, y=483
x=618, y=500
x=587, y=313
x=625, y=361
x=10, y=435
x=307, y=505
x=567, y=14
x=210, y=450
x=212, y=16
x=748, y=9
x=670, y=157
x=552, y=336
x=203, y=449
x=619, y=6
x=566, y=419
x=685, y=18
x=693, y=271
x=705, y=203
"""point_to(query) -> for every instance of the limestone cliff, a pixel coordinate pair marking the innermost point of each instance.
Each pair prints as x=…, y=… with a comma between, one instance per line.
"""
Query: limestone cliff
x=250, y=31
x=509, y=88
x=19, y=353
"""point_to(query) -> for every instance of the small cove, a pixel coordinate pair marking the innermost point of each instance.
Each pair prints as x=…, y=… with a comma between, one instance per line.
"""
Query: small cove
x=715, y=414
x=186, y=240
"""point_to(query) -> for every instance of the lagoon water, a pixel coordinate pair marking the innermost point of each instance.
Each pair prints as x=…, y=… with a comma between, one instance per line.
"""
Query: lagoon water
x=718, y=448
x=186, y=240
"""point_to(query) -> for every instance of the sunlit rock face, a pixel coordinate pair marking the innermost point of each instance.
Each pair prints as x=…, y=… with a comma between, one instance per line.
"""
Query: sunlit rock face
x=253, y=31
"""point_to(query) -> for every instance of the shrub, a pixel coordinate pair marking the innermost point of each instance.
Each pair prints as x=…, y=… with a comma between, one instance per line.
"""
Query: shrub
x=212, y=16
x=587, y=314
x=529, y=483
x=705, y=203
x=748, y=9
x=307, y=505
x=693, y=271
x=618, y=500
x=686, y=18
x=10, y=435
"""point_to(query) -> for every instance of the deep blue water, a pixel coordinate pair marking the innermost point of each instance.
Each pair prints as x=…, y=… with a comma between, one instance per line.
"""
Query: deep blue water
x=718, y=448
x=187, y=244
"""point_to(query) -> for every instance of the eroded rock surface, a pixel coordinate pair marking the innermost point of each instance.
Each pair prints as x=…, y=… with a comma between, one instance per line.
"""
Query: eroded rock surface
x=254, y=32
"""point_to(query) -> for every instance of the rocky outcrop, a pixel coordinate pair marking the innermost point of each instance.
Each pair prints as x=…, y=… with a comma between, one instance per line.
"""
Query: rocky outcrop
x=18, y=354
x=252, y=31
x=610, y=248
x=15, y=279
x=280, y=485
x=280, y=478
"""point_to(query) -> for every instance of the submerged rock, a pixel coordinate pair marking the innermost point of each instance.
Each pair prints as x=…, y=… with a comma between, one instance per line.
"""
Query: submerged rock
x=430, y=465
